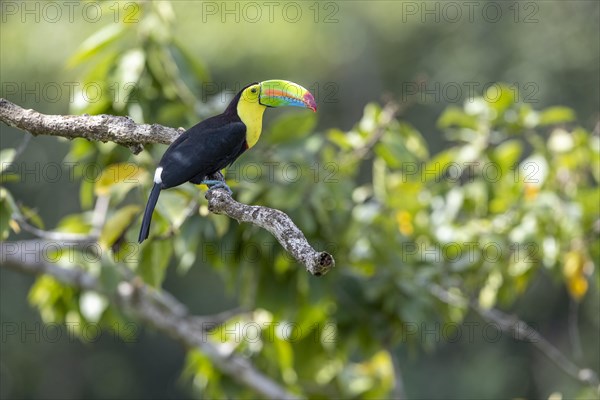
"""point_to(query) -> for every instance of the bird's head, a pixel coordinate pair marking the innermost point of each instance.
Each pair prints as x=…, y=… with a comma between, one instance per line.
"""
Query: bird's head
x=279, y=93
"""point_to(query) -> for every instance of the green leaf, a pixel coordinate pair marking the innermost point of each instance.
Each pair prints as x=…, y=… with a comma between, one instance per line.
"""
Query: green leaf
x=5, y=214
x=556, y=115
x=370, y=118
x=500, y=97
x=339, y=138
x=109, y=277
x=9, y=177
x=96, y=101
x=54, y=300
x=128, y=72
x=156, y=63
x=81, y=149
x=411, y=139
x=6, y=158
x=101, y=68
x=291, y=126
x=74, y=223
x=507, y=154
x=380, y=174
x=400, y=145
x=117, y=224
x=201, y=370
x=172, y=112
x=174, y=205
x=185, y=245
x=221, y=224
x=95, y=43
x=198, y=68
x=390, y=157
x=118, y=179
x=154, y=261
x=437, y=166
x=32, y=216
x=285, y=359
x=456, y=117
x=86, y=194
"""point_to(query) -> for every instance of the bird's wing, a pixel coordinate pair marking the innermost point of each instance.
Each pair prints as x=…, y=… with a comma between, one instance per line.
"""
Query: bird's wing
x=203, y=151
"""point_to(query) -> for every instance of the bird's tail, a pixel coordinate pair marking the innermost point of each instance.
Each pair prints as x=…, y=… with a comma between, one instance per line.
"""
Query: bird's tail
x=145, y=230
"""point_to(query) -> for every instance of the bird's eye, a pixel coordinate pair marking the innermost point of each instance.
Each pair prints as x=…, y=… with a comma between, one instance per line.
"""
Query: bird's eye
x=253, y=90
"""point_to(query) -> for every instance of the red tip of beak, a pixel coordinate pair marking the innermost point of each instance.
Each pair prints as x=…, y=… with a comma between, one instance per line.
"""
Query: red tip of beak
x=310, y=102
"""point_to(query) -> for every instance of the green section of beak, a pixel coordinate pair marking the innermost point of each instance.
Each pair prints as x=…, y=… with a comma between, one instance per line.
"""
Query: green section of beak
x=279, y=93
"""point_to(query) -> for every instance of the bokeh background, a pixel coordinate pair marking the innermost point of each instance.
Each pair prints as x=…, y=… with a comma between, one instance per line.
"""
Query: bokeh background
x=174, y=63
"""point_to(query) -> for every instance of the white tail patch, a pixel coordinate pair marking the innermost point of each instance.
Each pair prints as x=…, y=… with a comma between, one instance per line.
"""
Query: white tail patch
x=157, y=174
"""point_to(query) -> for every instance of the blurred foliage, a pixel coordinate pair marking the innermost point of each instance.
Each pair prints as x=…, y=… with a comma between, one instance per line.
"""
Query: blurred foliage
x=135, y=68
x=515, y=196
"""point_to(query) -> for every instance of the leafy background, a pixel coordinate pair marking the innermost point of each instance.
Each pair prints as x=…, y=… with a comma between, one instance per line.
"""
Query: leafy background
x=375, y=188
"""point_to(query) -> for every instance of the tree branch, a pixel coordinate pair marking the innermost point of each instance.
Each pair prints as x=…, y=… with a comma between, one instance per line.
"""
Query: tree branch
x=163, y=312
x=124, y=131
x=388, y=113
x=104, y=128
x=278, y=224
x=520, y=330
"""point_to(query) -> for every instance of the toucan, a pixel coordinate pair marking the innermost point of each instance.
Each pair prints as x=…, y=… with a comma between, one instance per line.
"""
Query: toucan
x=215, y=143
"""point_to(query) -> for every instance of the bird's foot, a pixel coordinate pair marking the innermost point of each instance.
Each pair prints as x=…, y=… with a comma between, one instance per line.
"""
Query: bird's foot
x=217, y=184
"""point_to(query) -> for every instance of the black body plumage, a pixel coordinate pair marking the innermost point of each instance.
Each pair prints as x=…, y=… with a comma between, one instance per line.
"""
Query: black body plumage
x=203, y=150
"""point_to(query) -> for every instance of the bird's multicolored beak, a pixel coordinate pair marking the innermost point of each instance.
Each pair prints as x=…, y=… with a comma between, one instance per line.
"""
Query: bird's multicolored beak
x=279, y=93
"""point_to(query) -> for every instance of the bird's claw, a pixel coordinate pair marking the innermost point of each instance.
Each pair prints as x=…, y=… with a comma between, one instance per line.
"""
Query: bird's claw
x=216, y=184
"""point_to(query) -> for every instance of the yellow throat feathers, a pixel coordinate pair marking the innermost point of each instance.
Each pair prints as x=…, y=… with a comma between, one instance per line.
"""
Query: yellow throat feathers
x=251, y=112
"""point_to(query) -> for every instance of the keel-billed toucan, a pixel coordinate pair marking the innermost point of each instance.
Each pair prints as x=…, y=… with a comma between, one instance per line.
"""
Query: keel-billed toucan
x=215, y=143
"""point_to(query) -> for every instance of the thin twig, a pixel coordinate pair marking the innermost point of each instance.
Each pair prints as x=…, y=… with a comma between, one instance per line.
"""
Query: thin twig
x=51, y=235
x=22, y=146
x=99, y=216
x=98, y=219
x=389, y=112
x=164, y=313
x=520, y=330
